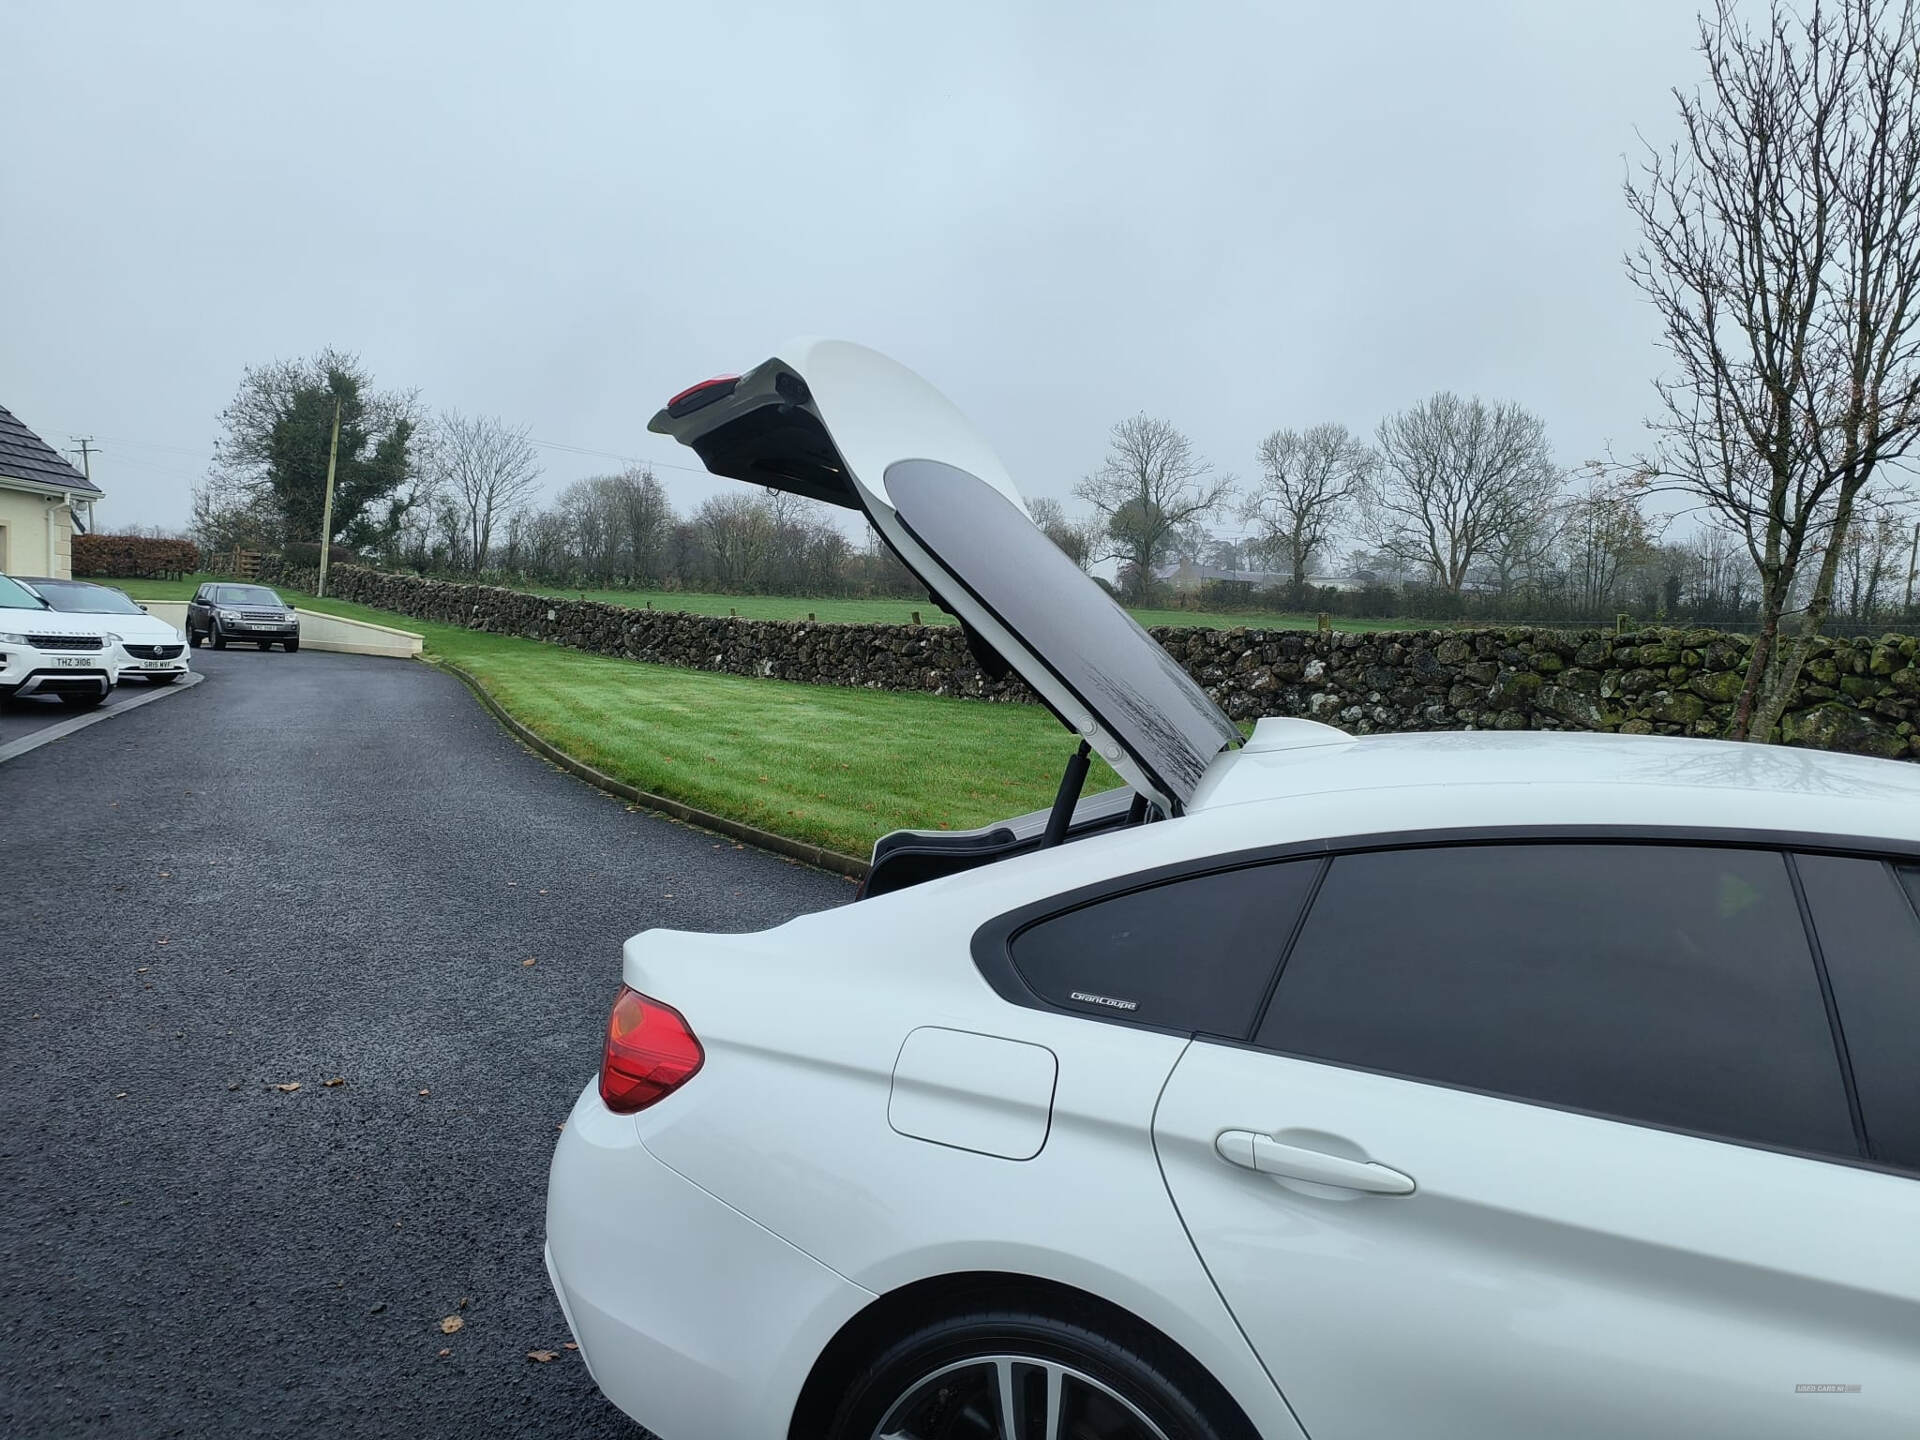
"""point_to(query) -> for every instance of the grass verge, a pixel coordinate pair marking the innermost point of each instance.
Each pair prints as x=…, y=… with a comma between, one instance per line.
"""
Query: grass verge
x=831, y=766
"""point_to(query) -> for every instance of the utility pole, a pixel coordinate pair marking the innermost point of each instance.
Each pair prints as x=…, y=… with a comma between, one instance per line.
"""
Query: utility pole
x=326, y=513
x=87, y=451
x=1913, y=561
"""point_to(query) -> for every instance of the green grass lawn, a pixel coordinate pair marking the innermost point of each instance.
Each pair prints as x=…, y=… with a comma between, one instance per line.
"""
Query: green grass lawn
x=838, y=767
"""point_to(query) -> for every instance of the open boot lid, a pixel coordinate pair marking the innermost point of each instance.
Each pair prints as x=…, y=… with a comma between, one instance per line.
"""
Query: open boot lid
x=841, y=423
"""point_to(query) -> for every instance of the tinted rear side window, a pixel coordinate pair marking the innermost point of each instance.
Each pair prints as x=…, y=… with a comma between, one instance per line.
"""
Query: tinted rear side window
x=1654, y=983
x=1195, y=955
x=1871, y=943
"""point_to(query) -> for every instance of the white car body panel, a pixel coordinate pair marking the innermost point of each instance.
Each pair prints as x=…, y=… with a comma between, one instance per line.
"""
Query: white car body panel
x=1554, y=1273
x=973, y=1092
x=790, y=1124
x=692, y=1318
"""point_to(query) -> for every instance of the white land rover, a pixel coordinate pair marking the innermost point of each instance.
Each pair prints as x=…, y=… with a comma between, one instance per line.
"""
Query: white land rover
x=43, y=652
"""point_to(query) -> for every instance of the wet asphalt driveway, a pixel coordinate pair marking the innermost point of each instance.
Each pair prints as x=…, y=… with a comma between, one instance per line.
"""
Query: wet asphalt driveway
x=310, y=868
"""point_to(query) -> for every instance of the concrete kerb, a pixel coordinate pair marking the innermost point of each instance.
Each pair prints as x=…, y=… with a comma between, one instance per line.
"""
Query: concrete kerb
x=817, y=856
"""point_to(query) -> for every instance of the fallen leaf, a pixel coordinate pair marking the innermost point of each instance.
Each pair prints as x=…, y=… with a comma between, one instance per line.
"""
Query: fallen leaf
x=379, y=1309
x=451, y=1324
x=426, y=1092
x=569, y=1345
x=337, y=1080
x=543, y=892
x=561, y=1126
x=161, y=941
x=234, y=1086
x=445, y=1353
x=465, y=1300
x=121, y=1096
x=526, y=962
x=140, y=969
x=543, y=1356
x=166, y=874
x=289, y=1087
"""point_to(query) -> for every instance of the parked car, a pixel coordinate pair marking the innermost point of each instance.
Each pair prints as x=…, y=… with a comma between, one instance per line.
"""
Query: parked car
x=43, y=652
x=147, y=647
x=1454, y=1085
x=222, y=610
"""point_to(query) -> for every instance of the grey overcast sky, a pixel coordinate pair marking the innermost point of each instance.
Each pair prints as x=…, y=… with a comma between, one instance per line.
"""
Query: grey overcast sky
x=1237, y=216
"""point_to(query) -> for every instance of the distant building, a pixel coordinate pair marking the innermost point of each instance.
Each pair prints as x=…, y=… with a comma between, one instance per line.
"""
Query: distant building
x=43, y=500
x=1189, y=576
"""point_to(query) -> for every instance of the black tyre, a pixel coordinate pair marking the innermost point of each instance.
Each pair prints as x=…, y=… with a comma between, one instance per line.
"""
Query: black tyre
x=1067, y=1381
x=214, y=634
x=193, y=638
x=166, y=679
x=292, y=645
x=82, y=702
x=265, y=645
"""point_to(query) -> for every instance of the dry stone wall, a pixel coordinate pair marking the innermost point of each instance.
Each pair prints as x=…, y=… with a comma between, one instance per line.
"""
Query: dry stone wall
x=1858, y=695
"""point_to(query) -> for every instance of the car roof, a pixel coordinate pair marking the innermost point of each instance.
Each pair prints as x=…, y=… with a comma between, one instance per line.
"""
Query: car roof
x=1496, y=778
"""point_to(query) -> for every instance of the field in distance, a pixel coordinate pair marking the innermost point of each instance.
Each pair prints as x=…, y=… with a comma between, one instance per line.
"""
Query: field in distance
x=900, y=612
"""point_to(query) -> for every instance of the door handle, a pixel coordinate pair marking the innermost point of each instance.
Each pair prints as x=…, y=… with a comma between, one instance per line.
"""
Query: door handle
x=1253, y=1151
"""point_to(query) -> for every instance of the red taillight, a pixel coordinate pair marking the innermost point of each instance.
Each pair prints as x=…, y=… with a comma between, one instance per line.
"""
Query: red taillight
x=705, y=393
x=650, y=1053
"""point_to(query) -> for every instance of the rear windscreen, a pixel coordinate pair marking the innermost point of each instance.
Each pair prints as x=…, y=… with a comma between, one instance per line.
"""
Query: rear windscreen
x=1137, y=690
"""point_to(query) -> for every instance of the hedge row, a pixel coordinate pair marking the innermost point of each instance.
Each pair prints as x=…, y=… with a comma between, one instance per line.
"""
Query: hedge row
x=133, y=557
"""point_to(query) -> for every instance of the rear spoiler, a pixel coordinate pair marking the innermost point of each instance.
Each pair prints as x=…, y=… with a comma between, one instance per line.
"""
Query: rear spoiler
x=760, y=427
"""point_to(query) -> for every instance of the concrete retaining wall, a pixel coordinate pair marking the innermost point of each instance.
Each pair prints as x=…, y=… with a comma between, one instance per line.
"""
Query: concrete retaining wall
x=317, y=631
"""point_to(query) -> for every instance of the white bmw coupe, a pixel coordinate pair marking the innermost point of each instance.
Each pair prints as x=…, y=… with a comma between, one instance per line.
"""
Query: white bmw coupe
x=1468, y=1085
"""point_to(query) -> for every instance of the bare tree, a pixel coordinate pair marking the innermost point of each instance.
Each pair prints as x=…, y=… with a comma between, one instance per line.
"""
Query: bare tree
x=1603, y=534
x=488, y=468
x=1305, y=494
x=736, y=531
x=1782, y=254
x=1150, y=487
x=1458, y=482
x=644, y=521
x=1075, y=539
x=1873, y=564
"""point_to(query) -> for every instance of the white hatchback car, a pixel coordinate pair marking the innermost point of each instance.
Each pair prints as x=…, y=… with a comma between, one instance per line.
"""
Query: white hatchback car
x=1467, y=1085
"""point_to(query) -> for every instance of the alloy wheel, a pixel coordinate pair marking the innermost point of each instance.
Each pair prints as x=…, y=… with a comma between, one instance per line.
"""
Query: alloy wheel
x=1013, y=1397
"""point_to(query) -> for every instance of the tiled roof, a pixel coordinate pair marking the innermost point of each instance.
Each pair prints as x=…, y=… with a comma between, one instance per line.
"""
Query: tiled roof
x=25, y=456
